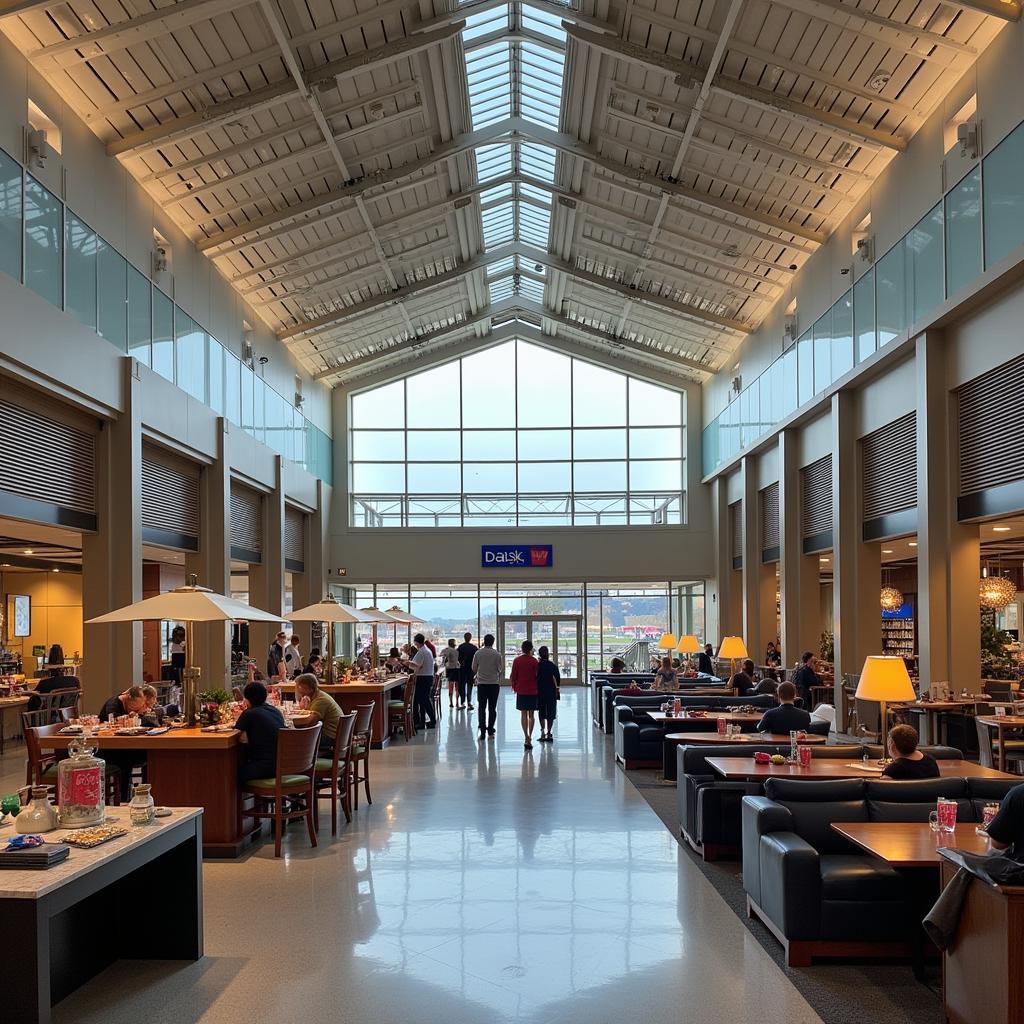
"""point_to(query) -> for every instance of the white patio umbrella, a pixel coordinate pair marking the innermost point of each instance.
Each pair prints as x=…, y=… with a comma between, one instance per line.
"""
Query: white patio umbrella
x=376, y=616
x=404, y=617
x=190, y=603
x=329, y=610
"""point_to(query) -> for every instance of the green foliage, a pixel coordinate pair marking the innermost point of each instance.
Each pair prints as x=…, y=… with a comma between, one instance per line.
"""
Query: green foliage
x=995, y=653
x=827, y=647
x=215, y=697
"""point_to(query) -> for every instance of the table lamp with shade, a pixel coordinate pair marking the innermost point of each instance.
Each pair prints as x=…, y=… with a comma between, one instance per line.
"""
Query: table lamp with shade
x=688, y=645
x=733, y=648
x=884, y=678
x=667, y=643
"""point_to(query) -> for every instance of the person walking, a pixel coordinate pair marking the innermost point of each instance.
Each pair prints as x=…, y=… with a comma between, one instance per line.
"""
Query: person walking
x=548, y=694
x=450, y=664
x=524, y=685
x=486, y=666
x=422, y=666
x=467, y=649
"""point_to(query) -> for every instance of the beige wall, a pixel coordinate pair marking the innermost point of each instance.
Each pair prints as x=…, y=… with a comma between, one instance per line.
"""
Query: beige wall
x=56, y=609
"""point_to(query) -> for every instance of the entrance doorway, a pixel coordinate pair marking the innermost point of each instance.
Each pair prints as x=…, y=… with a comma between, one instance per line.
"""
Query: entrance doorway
x=561, y=634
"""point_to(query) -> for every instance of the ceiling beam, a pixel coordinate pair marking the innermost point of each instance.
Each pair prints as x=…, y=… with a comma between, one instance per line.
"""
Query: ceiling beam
x=687, y=75
x=1008, y=10
x=279, y=92
x=826, y=10
x=466, y=10
x=102, y=42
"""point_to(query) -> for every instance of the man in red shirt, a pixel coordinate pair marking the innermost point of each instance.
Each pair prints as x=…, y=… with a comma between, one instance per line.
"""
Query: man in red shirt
x=524, y=685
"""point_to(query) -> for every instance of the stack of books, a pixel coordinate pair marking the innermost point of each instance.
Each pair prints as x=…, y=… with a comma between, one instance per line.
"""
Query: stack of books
x=34, y=857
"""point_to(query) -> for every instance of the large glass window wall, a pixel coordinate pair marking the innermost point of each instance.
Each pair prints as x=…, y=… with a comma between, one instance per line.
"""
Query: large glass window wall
x=979, y=222
x=617, y=618
x=45, y=246
x=517, y=435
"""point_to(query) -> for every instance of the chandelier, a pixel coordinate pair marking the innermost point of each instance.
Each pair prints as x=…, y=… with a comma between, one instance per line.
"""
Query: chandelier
x=890, y=599
x=996, y=591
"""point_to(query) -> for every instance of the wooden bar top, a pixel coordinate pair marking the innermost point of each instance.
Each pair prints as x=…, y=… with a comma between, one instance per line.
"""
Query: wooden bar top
x=911, y=844
x=777, y=739
x=822, y=768
x=357, y=686
x=177, y=739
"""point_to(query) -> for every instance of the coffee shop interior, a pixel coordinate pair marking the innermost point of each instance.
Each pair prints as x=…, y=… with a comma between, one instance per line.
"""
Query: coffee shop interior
x=518, y=504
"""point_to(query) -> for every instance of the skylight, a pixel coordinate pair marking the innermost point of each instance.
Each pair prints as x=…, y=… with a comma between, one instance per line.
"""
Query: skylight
x=515, y=62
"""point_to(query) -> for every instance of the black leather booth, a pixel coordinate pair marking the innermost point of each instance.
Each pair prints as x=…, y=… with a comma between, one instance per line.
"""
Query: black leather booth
x=819, y=894
x=639, y=741
x=612, y=695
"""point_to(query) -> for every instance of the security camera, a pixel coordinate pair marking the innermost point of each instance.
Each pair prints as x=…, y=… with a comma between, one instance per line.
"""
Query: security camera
x=264, y=360
x=844, y=271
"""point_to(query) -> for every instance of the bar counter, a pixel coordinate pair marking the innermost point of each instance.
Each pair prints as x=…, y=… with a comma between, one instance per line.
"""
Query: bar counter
x=188, y=768
x=350, y=695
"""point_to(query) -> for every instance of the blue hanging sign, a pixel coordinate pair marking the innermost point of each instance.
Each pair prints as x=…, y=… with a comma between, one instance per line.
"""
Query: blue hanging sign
x=517, y=556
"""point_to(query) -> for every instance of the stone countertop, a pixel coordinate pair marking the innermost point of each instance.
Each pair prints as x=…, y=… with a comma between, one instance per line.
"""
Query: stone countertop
x=32, y=884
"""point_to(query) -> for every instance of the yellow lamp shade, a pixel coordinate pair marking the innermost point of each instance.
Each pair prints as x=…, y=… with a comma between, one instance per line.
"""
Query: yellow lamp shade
x=667, y=642
x=885, y=677
x=732, y=647
x=688, y=644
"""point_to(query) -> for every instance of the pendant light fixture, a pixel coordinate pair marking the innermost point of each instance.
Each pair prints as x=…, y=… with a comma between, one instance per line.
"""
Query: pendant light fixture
x=995, y=591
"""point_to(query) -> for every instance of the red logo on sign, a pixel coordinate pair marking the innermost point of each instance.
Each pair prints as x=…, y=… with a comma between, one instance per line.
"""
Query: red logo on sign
x=82, y=786
x=539, y=556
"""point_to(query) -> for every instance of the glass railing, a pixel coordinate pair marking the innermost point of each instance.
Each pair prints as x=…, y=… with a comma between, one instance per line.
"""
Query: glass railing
x=509, y=510
x=48, y=248
x=979, y=221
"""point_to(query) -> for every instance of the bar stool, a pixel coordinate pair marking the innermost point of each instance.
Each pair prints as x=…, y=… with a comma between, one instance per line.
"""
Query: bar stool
x=333, y=773
x=363, y=736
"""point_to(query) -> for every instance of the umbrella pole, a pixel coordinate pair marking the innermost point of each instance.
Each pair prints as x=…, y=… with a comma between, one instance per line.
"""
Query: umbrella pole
x=330, y=652
x=373, y=648
x=190, y=678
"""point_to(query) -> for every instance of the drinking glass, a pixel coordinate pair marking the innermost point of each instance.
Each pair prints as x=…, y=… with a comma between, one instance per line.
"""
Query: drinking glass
x=947, y=814
x=933, y=820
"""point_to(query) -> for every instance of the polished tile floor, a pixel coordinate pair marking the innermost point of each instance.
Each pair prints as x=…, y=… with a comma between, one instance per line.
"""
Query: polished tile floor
x=485, y=884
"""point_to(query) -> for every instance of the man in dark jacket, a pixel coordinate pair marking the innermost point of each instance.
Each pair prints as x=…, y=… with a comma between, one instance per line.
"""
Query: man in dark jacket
x=805, y=677
x=466, y=651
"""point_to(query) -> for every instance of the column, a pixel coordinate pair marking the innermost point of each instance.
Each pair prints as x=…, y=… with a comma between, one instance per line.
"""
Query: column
x=729, y=582
x=112, y=557
x=948, y=552
x=757, y=600
x=266, y=580
x=310, y=585
x=212, y=562
x=856, y=566
x=799, y=574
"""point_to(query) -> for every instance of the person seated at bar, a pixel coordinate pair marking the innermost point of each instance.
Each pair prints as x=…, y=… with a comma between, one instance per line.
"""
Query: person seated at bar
x=132, y=701
x=665, y=677
x=1006, y=829
x=393, y=662
x=743, y=681
x=618, y=667
x=259, y=725
x=315, y=666
x=704, y=663
x=317, y=706
x=786, y=716
x=907, y=761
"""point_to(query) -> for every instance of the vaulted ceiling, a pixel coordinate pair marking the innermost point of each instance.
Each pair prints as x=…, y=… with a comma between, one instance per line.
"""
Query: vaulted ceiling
x=382, y=180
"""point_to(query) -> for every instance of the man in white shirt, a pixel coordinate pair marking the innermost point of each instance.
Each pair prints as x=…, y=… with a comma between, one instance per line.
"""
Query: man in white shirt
x=487, y=669
x=422, y=665
x=293, y=658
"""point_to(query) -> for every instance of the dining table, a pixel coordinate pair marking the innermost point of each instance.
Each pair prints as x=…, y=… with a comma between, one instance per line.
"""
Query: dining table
x=933, y=722
x=740, y=717
x=911, y=844
x=682, y=739
x=1001, y=723
x=824, y=768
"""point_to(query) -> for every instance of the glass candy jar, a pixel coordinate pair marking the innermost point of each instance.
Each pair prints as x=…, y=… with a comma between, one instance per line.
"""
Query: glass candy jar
x=80, y=785
x=142, y=811
x=39, y=815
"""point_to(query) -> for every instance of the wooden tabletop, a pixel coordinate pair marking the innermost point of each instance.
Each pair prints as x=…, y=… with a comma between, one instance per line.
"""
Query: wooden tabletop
x=743, y=737
x=911, y=844
x=11, y=702
x=711, y=716
x=177, y=739
x=938, y=705
x=1010, y=721
x=356, y=686
x=822, y=768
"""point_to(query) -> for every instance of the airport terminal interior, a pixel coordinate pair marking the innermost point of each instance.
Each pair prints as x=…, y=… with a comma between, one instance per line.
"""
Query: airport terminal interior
x=511, y=510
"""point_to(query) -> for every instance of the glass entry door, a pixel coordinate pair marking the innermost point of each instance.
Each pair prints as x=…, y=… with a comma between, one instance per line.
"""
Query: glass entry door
x=561, y=634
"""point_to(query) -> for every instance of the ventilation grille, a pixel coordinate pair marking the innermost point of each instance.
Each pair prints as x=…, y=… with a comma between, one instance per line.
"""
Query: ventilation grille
x=47, y=460
x=816, y=497
x=889, y=461
x=991, y=412
x=736, y=529
x=294, y=534
x=170, y=492
x=246, y=519
x=770, y=517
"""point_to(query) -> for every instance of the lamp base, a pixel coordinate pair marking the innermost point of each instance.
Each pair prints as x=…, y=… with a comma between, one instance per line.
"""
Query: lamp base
x=190, y=692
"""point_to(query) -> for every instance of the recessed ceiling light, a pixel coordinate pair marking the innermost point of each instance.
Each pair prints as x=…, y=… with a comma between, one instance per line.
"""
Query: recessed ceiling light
x=29, y=551
x=879, y=80
x=887, y=551
x=911, y=543
x=1000, y=529
x=822, y=559
x=56, y=570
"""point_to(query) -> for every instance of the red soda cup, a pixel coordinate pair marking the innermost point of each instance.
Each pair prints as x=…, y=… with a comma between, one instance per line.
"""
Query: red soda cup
x=720, y=725
x=805, y=756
